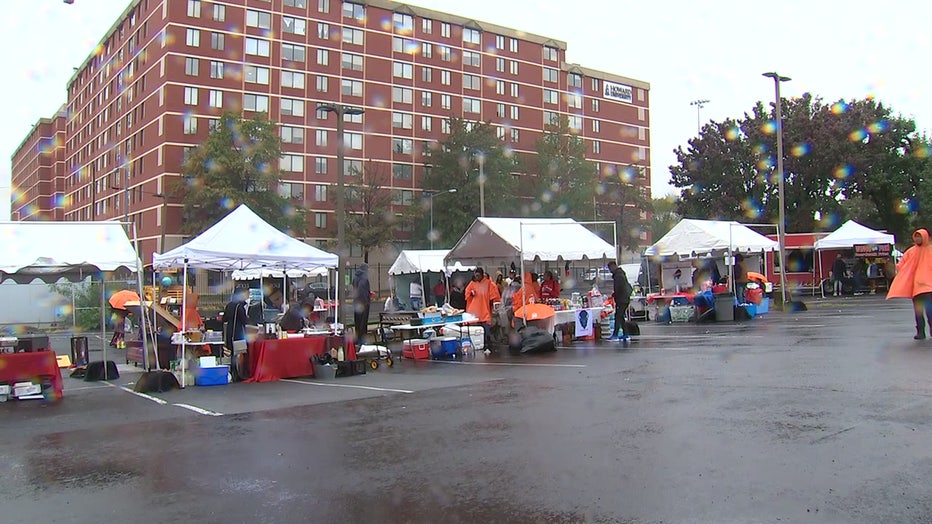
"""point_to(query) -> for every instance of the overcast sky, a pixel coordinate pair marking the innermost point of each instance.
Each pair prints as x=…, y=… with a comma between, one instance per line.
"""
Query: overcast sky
x=687, y=50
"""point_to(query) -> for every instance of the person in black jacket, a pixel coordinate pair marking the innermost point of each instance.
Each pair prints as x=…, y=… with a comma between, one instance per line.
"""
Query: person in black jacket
x=839, y=268
x=362, y=299
x=622, y=296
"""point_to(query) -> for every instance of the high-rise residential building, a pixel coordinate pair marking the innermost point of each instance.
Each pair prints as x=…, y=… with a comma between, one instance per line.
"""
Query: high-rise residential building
x=167, y=69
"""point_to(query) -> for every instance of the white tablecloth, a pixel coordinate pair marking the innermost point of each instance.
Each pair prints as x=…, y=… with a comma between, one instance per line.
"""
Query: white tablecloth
x=567, y=316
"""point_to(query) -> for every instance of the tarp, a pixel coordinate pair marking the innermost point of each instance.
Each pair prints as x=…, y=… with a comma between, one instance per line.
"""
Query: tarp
x=242, y=240
x=692, y=237
x=424, y=261
x=851, y=233
x=73, y=250
x=545, y=239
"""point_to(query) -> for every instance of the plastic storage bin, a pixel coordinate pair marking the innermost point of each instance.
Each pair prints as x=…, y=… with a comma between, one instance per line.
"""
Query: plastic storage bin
x=214, y=376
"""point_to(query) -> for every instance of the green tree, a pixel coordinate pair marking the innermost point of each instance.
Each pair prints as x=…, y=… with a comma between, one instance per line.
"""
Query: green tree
x=238, y=164
x=663, y=216
x=86, y=298
x=622, y=200
x=369, y=221
x=564, y=182
x=454, y=164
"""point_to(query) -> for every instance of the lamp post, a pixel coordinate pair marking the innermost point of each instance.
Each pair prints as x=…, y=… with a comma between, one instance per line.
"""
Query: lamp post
x=781, y=225
x=430, y=234
x=481, y=157
x=699, y=105
x=340, y=110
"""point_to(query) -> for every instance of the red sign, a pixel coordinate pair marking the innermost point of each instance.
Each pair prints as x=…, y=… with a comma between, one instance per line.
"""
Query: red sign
x=872, y=250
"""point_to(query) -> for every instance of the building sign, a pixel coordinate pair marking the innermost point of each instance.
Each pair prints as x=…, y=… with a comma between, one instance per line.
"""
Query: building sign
x=618, y=92
x=872, y=250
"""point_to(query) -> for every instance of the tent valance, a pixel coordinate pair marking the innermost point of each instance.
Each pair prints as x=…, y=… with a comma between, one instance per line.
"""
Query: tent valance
x=503, y=240
x=851, y=233
x=692, y=236
x=424, y=261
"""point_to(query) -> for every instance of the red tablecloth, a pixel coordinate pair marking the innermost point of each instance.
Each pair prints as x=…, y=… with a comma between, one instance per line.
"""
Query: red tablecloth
x=23, y=367
x=668, y=297
x=274, y=359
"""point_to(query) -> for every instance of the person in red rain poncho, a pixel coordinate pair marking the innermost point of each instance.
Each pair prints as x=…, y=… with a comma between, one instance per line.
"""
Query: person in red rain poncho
x=914, y=280
x=550, y=288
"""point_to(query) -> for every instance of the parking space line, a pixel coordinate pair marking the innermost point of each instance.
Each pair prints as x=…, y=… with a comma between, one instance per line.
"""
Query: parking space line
x=327, y=384
x=509, y=364
x=198, y=410
x=138, y=394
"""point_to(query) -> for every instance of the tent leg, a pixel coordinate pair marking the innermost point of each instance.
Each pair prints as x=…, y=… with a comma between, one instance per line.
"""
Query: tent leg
x=103, y=320
x=184, y=305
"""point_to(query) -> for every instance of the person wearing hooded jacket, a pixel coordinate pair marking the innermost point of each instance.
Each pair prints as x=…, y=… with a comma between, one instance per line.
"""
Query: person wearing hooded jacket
x=362, y=299
x=914, y=280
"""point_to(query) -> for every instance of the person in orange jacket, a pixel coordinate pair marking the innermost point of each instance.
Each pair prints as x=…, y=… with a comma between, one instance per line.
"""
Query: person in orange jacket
x=480, y=294
x=526, y=293
x=914, y=280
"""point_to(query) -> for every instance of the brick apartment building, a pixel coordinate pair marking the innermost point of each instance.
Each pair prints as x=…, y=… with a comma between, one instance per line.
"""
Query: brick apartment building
x=168, y=68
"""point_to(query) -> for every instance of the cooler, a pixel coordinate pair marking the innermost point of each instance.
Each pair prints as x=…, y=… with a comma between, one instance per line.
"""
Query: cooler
x=416, y=348
x=475, y=333
x=445, y=348
x=212, y=376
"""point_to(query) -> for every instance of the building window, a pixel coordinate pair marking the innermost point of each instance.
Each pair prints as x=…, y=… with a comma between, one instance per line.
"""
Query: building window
x=402, y=120
x=514, y=90
x=257, y=103
x=323, y=31
x=596, y=147
x=403, y=70
x=500, y=133
x=402, y=95
x=550, y=53
x=352, y=167
x=190, y=96
x=302, y=4
x=292, y=135
x=194, y=8
x=574, y=80
x=295, y=26
x=215, y=98
x=292, y=107
x=500, y=65
x=445, y=101
x=640, y=95
x=320, y=220
x=354, y=11
x=256, y=46
x=323, y=6
x=427, y=25
x=256, y=75
x=323, y=57
x=402, y=146
x=403, y=45
x=550, y=96
x=427, y=50
x=513, y=66
x=355, y=119
x=260, y=19
x=291, y=163
x=595, y=105
x=550, y=75
x=427, y=98
x=472, y=82
x=193, y=38
x=472, y=58
x=471, y=105
x=500, y=110
x=471, y=36
x=426, y=123
x=642, y=114
x=320, y=168
x=574, y=100
x=352, y=141
x=216, y=41
x=499, y=42
x=514, y=112
x=427, y=74
x=642, y=133
x=513, y=45
x=551, y=118
x=445, y=77
x=444, y=29
x=595, y=85
x=292, y=80
x=191, y=66
x=445, y=53
x=320, y=138
x=190, y=125
x=402, y=171
x=323, y=84
x=351, y=87
x=216, y=69
x=499, y=87
x=320, y=191
x=292, y=52
x=403, y=22
x=352, y=62
x=352, y=36
x=220, y=13
x=575, y=122
x=515, y=136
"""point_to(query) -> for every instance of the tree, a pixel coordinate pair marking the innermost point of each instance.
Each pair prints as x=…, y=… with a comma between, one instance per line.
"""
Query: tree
x=369, y=220
x=663, y=216
x=564, y=183
x=623, y=202
x=238, y=164
x=454, y=164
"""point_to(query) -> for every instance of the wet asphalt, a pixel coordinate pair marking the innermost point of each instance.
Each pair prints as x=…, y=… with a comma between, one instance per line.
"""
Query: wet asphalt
x=819, y=416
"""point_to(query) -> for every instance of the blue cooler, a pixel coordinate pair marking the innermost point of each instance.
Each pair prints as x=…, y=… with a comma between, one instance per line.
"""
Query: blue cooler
x=443, y=348
x=764, y=306
x=215, y=376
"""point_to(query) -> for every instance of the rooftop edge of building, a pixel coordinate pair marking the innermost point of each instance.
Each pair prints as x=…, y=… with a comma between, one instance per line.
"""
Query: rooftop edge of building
x=42, y=120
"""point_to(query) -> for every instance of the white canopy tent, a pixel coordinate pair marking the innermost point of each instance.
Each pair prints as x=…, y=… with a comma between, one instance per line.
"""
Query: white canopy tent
x=851, y=233
x=424, y=261
x=691, y=238
x=243, y=241
x=50, y=251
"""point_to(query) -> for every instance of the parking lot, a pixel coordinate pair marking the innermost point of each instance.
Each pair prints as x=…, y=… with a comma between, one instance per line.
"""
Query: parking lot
x=819, y=416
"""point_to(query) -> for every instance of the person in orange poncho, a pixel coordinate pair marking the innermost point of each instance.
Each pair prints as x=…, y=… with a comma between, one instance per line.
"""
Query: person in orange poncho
x=526, y=293
x=914, y=280
x=192, y=319
x=480, y=294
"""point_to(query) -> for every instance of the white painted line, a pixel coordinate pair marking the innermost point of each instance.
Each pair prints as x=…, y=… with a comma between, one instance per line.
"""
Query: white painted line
x=198, y=410
x=143, y=395
x=327, y=384
x=508, y=364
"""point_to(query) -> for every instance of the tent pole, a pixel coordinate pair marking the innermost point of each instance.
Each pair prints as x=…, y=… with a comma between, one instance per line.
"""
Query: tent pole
x=184, y=306
x=103, y=320
x=142, y=301
x=523, y=283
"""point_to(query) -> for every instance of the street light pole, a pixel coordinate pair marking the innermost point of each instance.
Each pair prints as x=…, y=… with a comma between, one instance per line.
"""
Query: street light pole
x=339, y=110
x=481, y=184
x=699, y=105
x=781, y=225
x=430, y=234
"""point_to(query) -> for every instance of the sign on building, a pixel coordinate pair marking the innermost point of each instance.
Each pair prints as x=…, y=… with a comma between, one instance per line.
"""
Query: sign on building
x=619, y=92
